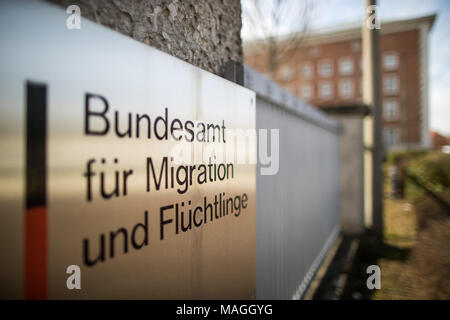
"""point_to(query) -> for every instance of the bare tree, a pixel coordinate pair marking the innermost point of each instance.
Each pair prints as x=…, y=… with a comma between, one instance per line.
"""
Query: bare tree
x=278, y=28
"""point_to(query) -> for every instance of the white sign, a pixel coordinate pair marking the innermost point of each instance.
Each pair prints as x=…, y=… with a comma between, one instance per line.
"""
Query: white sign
x=125, y=172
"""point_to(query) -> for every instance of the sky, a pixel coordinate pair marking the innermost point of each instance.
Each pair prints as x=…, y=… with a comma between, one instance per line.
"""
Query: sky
x=328, y=13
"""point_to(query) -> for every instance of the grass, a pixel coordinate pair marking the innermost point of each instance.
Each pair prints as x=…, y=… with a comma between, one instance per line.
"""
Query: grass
x=414, y=256
x=392, y=255
x=400, y=234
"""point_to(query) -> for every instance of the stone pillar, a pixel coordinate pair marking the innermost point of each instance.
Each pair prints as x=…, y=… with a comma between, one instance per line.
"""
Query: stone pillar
x=205, y=33
x=351, y=177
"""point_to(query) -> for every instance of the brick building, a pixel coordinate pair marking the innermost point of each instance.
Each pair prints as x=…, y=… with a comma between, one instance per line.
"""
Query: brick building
x=438, y=141
x=327, y=70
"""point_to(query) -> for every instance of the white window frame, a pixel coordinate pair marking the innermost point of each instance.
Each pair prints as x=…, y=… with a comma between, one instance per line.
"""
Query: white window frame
x=388, y=134
x=388, y=67
x=344, y=60
x=310, y=90
x=388, y=91
x=319, y=68
x=309, y=66
x=320, y=93
x=388, y=115
x=286, y=73
x=314, y=52
x=342, y=88
x=356, y=46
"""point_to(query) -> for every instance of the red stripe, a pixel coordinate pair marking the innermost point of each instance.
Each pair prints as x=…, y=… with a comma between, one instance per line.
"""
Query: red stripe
x=36, y=253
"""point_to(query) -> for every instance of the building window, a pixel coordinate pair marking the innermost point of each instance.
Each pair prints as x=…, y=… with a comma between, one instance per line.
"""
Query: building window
x=356, y=46
x=326, y=90
x=325, y=68
x=391, y=137
x=390, y=109
x=306, y=70
x=314, y=52
x=287, y=73
x=346, y=66
x=390, y=85
x=306, y=91
x=346, y=88
x=390, y=61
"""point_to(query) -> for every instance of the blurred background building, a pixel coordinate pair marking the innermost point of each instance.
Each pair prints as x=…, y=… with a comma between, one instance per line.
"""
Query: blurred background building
x=326, y=70
x=438, y=141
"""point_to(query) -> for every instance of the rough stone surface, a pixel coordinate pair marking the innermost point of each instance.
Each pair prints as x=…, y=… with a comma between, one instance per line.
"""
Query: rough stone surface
x=205, y=33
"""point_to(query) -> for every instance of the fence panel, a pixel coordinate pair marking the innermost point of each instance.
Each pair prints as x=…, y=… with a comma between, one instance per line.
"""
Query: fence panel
x=297, y=213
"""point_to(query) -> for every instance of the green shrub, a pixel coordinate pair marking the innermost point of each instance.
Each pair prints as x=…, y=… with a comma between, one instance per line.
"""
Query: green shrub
x=396, y=157
x=431, y=254
x=433, y=171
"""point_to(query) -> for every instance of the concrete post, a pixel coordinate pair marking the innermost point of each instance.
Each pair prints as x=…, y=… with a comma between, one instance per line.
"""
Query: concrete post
x=373, y=184
x=352, y=165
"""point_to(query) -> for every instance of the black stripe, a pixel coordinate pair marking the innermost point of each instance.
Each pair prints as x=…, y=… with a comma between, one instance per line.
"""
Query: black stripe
x=36, y=144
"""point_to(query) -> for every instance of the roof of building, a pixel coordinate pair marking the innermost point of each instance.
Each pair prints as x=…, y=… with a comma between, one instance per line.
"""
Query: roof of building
x=352, y=31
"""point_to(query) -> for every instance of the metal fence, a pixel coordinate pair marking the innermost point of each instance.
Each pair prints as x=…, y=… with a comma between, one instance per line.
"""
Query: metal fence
x=297, y=217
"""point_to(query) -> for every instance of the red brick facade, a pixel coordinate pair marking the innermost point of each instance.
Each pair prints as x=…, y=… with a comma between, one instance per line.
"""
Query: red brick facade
x=438, y=140
x=327, y=70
